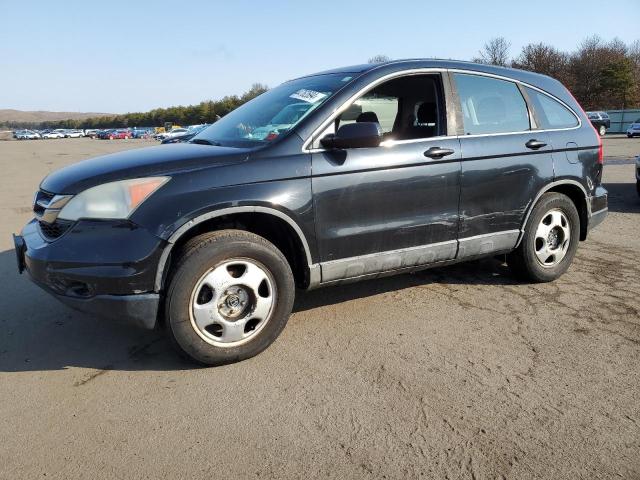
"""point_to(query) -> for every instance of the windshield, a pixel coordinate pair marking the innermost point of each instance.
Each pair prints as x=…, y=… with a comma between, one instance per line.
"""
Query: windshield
x=275, y=112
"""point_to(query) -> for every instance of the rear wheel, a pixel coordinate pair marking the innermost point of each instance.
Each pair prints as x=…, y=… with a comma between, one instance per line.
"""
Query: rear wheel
x=229, y=297
x=550, y=240
x=602, y=130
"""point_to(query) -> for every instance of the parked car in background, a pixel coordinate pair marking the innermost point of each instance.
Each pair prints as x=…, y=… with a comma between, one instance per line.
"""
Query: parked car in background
x=142, y=132
x=213, y=236
x=91, y=132
x=75, y=133
x=601, y=121
x=185, y=137
x=634, y=129
x=53, y=134
x=26, y=135
x=114, y=134
x=172, y=133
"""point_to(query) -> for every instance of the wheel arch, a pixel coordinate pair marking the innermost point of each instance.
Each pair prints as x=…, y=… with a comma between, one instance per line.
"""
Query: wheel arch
x=270, y=223
x=572, y=189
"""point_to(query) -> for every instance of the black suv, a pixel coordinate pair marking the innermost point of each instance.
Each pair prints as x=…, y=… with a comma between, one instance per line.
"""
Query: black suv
x=600, y=121
x=339, y=176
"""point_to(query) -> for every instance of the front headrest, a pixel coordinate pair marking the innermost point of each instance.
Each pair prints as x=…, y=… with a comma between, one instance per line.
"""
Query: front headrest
x=367, y=117
x=427, y=113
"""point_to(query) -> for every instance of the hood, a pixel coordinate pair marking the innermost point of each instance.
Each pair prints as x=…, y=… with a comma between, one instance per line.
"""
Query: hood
x=143, y=162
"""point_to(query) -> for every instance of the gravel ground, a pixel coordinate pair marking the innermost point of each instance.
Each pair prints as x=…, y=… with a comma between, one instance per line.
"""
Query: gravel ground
x=456, y=372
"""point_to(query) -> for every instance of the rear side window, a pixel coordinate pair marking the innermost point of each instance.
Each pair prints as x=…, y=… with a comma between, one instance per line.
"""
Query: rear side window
x=490, y=105
x=551, y=113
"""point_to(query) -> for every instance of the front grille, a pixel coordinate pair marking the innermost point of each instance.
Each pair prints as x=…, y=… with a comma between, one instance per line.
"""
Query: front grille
x=54, y=230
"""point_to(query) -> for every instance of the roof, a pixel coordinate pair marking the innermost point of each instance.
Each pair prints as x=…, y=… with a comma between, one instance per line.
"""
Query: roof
x=540, y=81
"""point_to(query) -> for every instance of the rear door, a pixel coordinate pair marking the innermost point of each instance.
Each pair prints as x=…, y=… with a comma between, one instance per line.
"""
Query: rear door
x=506, y=161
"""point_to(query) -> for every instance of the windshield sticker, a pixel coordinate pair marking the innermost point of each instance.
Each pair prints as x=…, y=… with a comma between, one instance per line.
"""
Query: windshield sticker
x=309, y=96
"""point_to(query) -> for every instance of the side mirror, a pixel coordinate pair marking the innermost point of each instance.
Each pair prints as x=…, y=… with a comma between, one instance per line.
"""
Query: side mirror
x=354, y=135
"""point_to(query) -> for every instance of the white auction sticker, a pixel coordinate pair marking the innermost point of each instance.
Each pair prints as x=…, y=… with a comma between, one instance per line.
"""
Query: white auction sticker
x=309, y=96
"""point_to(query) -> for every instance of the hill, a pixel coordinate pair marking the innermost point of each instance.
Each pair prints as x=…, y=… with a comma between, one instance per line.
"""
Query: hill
x=11, y=116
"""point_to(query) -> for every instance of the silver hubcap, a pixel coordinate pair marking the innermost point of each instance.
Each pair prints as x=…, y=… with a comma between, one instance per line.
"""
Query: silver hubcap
x=552, y=238
x=232, y=302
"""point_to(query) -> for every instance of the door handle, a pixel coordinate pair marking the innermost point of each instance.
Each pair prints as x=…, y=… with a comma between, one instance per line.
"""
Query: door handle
x=437, y=152
x=535, y=144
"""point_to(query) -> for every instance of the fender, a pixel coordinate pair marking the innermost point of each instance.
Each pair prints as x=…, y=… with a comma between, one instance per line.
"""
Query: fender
x=314, y=271
x=545, y=189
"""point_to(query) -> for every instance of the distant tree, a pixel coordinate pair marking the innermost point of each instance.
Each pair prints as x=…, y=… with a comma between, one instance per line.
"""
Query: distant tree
x=544, y=59
x=495, y=52
x=255, y=90
x=617, y=83
x=379, y=59
x=592, y=68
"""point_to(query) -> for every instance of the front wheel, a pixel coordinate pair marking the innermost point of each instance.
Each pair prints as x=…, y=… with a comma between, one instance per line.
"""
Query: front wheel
x=230, y=295
x=602, y=130
x=550, y=240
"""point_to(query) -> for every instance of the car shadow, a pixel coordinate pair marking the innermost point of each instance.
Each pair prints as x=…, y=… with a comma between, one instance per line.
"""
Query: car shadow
x=623, y=197
x=38, y=333
x=488, y=271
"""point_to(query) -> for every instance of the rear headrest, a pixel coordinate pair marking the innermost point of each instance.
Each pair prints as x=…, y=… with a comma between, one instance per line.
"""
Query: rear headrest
x=367, y=117
x=491, y=110
x=427, y=113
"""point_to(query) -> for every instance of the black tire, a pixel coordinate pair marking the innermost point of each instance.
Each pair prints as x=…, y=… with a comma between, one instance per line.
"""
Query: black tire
x=201, y=255
x=638, y=187
x=523, y=261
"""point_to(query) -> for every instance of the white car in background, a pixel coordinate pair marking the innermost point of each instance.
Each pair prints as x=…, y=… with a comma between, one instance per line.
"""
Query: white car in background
x=634, y=129
x=173, y=133
x=54, y=134
x=74, y=133
x=27, y=135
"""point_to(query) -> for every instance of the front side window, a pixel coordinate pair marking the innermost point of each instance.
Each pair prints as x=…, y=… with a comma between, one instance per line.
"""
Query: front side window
x=406, y=108
x=272, y=114
x=551, y=113
x=490, y=105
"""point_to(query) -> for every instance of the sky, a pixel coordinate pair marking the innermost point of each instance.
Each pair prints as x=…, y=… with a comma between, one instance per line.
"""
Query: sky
x=126, y=56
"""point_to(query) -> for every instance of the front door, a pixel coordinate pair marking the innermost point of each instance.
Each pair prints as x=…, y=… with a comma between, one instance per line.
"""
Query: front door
x=393, y=206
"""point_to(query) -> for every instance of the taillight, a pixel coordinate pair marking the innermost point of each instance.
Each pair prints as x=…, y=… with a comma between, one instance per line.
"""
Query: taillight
x=600, y=149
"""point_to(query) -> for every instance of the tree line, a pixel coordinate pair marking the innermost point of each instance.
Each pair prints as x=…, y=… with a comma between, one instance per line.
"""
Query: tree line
x=602, y=75
x=204, y=112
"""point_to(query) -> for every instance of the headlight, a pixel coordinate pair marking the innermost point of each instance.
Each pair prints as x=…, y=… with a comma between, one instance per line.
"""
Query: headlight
x=111, y=200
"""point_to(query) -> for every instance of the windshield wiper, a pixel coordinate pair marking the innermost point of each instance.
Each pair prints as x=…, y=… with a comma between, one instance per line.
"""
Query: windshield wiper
x=203, y=141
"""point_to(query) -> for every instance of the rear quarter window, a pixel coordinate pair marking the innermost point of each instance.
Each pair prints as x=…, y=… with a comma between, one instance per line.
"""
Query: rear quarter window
x=490, y=105
x=551, y=113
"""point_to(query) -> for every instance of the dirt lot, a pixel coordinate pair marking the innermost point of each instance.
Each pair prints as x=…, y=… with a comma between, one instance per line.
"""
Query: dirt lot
x=457, y=372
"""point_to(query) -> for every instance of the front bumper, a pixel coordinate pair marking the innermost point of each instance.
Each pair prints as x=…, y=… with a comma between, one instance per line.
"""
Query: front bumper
x=104, y=268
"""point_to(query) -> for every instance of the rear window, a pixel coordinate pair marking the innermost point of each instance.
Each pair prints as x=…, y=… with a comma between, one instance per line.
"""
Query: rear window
x=490, y=105
x=550, y=112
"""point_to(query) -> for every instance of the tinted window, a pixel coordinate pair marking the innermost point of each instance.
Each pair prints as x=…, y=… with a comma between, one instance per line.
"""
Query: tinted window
x=551, y=113
x=490, y=105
